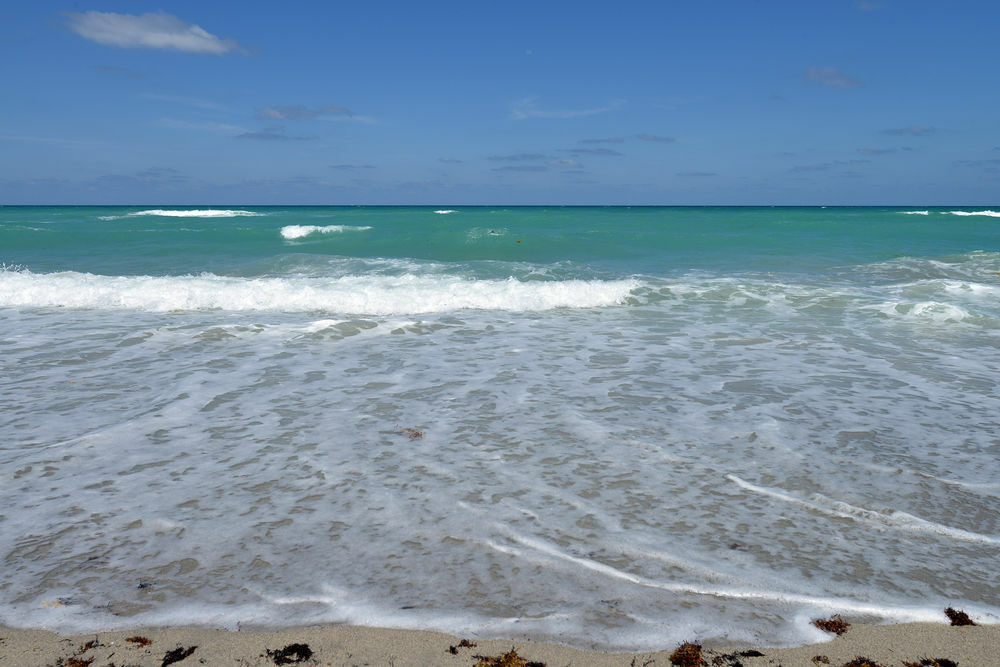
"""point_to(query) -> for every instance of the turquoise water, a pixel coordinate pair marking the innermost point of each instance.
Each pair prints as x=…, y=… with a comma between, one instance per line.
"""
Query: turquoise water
x=637, y=426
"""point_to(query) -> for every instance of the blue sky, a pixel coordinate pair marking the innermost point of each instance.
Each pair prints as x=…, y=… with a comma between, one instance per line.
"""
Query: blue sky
x=470, y=102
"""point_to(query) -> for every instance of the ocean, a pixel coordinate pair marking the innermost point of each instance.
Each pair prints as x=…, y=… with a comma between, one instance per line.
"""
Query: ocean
x=610, y=427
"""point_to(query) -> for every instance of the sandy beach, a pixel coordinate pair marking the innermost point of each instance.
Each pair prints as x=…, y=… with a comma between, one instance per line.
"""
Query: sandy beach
x=924, y=644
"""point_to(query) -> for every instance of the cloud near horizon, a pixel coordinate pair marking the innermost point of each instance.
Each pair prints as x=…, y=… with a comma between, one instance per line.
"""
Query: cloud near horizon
x=149, y=31
x=830, y=76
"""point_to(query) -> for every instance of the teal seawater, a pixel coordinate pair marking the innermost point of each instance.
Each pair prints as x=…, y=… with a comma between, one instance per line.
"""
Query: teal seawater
x=637, y=426
x=615, y=240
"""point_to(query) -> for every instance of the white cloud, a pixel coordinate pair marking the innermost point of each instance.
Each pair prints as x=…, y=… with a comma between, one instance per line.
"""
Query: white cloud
x=148, y=31
x=830, y=76
x=526, y=109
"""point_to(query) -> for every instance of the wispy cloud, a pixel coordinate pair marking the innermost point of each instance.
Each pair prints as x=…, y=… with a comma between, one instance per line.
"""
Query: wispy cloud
x=206, y=126
x=655, y=137
x=518, y=157
x=826, y=166
x=565, y=163
x=182, y=99
x=299, y=112
x=912, y=130
x=883, y=151
x=450, y=160
x=589, y=151
x=609, y=140
x=696, y=174
x=148, y=31
x=522, y=167
x=273, y=133
x=830, y=76
x=527, y=108
x=351, y=167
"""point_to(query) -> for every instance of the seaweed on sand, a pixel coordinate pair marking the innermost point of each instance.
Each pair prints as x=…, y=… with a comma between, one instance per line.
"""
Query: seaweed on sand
x=834, y=624
x=509, y=659
x=687, y=655
x=958, y=617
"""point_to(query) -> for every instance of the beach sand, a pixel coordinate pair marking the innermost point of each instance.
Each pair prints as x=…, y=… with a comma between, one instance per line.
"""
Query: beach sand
x=904, y=644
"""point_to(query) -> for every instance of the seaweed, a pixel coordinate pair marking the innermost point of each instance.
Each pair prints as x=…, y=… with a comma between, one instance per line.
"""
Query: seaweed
x=291, y=654
x=733, y=659
x=958, y=617
x=862, y=662
x=509, y=659
x=821, y=660
x=834, y=624
x=465, y=643
x=139, y=640
x=687, y=654
x=178, y=654
x=932, y=662
x=411, y=433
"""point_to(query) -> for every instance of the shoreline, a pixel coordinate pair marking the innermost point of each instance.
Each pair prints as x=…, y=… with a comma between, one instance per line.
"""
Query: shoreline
x=902, y=644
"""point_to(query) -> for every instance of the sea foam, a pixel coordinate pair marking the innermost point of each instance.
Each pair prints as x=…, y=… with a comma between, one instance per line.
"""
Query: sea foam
x=193, y=213
x=376, y=295
x=291, y=232
x=991, y=214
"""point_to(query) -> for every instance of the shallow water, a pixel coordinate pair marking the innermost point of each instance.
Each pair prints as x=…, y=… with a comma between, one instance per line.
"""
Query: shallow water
x=636, y=426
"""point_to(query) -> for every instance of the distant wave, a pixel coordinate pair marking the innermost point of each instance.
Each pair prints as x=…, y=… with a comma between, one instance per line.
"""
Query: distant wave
x=300, y=231
x=992, y=214
x=445, y=211
x=374, y=295
x=915, y=212
x=193, y=213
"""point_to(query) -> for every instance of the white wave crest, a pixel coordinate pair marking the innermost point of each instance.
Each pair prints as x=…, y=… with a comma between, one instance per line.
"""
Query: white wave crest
x=445, y=211
x=895, y=519
x=195, y=213
x=992, y=214
x=374, y=295
x=915, y=212
x=299, y=231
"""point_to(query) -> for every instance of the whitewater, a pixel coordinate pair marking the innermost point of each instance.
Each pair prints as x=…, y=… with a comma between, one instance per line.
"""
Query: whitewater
x=611, y=426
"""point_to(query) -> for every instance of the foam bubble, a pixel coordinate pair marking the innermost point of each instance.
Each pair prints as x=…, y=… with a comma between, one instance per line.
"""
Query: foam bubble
x=378, y=295
x=299, y=231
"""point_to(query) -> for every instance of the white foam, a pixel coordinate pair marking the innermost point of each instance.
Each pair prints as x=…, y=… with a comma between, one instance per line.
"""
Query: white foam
x=915, y=212
x=896, y=520
x=376, y=295
x=299, y=231
x=192, y=213
x=992, y=214
x=445, y=211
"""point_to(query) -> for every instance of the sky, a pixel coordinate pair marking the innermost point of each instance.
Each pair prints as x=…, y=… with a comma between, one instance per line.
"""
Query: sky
x=668, y=102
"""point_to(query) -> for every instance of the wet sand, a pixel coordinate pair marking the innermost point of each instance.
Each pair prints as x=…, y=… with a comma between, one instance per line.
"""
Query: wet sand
x=896, y=645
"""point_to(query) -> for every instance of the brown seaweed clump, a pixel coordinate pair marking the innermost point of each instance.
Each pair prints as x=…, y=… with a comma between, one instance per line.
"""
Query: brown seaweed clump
x=139, y=640
x=465, y=643
x=958, y=617
x=932, y=662
x=291, y=654
x=509, y=659
x=411, y=433
x=178, y=654
x=834, y=624
x=862, y=662
x=687, y=655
